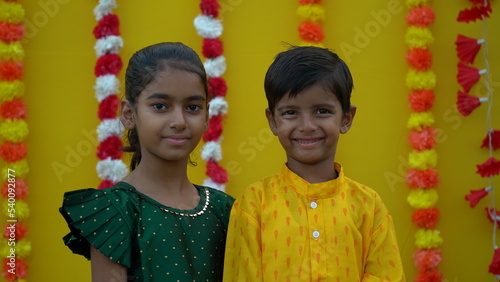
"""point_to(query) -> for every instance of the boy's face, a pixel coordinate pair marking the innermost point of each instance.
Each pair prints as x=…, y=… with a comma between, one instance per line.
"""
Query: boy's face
x=308, y=125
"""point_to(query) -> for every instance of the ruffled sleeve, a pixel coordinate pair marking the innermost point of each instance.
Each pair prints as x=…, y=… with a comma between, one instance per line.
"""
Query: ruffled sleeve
x=99, y=218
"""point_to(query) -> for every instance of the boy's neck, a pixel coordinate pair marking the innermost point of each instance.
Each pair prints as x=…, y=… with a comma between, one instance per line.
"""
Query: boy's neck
x=314, y=173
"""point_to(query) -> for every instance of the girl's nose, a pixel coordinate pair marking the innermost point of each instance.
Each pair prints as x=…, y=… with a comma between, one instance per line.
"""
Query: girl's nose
x=177, y=119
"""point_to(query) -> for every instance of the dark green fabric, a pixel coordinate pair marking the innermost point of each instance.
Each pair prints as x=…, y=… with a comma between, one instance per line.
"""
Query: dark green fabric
x=130, y=228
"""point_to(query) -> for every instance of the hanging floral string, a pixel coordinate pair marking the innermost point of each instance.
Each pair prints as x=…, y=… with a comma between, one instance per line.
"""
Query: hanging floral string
x=312, y=15
x=14, y=247
x=110, y=167
x=467, y=77
x=210, y=28
x=422, y=176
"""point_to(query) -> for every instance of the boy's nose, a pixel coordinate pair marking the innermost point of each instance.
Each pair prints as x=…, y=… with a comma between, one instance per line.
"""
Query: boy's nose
x=307, y=124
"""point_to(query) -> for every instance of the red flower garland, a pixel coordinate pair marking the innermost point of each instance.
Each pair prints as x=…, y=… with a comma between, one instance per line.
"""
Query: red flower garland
x=212, y=50
x=110, y=167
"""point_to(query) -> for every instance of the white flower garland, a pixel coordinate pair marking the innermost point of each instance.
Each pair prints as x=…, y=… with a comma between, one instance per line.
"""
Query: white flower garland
x=108, y=169
x=209, y=27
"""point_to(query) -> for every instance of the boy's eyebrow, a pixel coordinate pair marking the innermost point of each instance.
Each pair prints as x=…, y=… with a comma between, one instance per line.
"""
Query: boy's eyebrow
x=324, y=105
x=165, y=96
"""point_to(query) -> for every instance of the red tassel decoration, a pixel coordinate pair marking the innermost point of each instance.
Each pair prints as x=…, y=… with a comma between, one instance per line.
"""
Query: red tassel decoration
x=467, y=48
x=494, y=267
x=468, y=103
x=476, y=195
x=495, y=139
x=475, y=13
x=468, y=76
x=491, y=214
x=489, y=168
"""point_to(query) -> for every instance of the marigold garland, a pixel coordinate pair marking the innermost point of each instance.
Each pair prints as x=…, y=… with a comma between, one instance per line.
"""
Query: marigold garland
x=422, y=177
x=210, y=28
x=312, y=15
x=467, y=48
x=110, y=167
x=14, y=131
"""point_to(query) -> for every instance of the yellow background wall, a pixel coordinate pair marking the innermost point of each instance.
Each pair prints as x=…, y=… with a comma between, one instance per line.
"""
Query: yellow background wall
x=62, y=112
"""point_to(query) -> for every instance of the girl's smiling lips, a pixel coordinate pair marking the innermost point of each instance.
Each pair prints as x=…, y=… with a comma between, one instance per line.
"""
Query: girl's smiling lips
x=177, y=140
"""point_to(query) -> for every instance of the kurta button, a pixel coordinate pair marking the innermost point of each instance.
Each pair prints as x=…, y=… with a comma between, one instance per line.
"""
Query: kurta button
x=316, y=234
x=314, y=205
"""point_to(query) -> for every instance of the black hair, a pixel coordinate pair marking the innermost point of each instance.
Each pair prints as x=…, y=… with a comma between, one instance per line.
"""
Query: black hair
x=141, y=71
x=300, y=67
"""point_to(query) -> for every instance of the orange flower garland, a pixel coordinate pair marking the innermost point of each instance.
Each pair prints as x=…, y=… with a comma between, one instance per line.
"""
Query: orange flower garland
x=13, y=130
x=422, y=177
x=312, y=15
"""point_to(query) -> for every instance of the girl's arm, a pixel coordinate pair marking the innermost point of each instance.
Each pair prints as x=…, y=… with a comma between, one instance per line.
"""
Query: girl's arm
x=104, y=269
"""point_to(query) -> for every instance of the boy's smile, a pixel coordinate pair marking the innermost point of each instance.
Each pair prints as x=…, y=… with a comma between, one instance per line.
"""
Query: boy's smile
x=308, y=125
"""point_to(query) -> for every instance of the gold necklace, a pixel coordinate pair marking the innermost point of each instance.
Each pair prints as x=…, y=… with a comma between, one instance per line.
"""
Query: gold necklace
x=207, y=201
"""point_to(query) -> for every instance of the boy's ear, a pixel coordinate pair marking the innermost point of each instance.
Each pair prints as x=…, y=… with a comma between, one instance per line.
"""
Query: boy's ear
x=347, y=120
x=271, y=121
x=127, y=114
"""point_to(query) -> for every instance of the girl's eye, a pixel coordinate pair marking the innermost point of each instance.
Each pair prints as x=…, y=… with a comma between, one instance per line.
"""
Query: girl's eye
x=159, y=106
x=194, y=108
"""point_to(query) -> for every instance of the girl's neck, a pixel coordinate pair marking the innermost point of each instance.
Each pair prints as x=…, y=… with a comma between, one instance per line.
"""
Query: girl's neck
x=159, y=176
x=167, y=183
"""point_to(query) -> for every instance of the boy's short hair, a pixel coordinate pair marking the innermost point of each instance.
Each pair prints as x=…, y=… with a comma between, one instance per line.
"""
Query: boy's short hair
x=300, y=67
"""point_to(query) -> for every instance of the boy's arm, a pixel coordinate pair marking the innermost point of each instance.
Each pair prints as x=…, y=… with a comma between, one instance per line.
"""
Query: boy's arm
x=243, y=248
x=384, y=261
x=104, y=269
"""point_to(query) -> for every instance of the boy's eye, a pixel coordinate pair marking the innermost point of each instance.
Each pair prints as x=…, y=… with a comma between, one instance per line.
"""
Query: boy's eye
x=159, y=106
x=323, y=111
x=288, y=113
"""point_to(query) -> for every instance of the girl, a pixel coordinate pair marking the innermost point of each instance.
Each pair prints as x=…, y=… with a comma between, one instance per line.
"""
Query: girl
x=155, y=225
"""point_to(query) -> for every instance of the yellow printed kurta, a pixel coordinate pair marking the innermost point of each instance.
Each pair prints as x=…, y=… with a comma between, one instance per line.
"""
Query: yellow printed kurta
x=283, y=228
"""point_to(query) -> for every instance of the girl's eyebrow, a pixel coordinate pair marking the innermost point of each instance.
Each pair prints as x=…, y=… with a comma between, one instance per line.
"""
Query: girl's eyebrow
x=164, y=96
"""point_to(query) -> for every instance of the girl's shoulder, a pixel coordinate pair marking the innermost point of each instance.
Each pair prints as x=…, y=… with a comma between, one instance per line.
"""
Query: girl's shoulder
x=218, y=199
x=103, y=218
x=216, y=193
x=121, y=191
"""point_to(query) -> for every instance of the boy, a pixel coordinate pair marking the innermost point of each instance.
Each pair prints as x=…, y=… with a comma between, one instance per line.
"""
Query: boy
x=310, y=222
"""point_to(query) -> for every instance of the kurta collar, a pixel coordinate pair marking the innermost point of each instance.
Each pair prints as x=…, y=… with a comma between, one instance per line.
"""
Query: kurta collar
x=313, y=190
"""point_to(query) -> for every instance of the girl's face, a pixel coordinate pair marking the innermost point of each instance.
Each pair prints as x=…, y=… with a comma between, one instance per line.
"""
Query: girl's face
x=170, y=116
x=309, y=124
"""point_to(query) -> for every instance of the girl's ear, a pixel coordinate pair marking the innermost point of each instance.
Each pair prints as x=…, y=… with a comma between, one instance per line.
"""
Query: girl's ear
x=347, y=120
x=271, y=121
x=127, y=114
x=208, y=116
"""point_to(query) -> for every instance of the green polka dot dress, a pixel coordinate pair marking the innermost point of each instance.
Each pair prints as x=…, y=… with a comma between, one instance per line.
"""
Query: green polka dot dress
x=155, y=242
